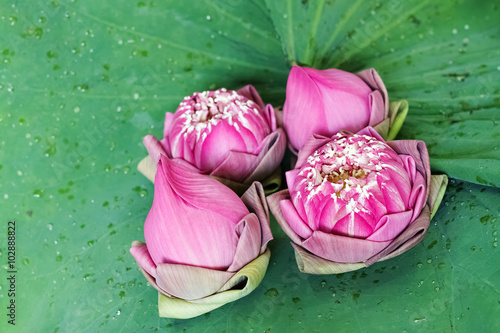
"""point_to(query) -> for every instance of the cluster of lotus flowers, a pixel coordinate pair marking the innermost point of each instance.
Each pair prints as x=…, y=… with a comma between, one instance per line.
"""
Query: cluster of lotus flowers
x=354, y=197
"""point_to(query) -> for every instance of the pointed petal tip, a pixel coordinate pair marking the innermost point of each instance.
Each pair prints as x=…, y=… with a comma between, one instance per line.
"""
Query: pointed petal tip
x=138, y=243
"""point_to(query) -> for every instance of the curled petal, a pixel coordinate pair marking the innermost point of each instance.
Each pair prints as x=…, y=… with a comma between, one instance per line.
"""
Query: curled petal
x=248, y=236
x=418, y=195
x=190, y=282
x=410, y=237
x=293, y=220
x=376, y=102
x=312, y=264
x=274, y=201
x=154, y=147
x=251, y=93
x=373, y=79
x=248, y=167
x=241, y=284
x=341, y=248
x=255, y=200
x=270, y=156
x=417, y=150
x=391, y=226
x=370, y=132
x=141, y=255
x=150, y=278
x=147, y=167
x=236, y=166
x=271, y=117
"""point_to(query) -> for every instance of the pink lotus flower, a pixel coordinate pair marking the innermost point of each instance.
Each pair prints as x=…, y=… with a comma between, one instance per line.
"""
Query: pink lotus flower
x=327, y=101
x=354, y=199
x=199, y=233
x=229, y=135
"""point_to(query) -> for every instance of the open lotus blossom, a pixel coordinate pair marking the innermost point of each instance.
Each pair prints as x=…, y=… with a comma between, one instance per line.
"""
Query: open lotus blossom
x=229, y=135
x=327, y=101
x=204, y=245
x=354, y=199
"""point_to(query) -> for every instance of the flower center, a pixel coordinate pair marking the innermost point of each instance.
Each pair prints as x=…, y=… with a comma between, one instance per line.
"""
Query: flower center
x=205, y=109
x=344, y=175
x=343, y=166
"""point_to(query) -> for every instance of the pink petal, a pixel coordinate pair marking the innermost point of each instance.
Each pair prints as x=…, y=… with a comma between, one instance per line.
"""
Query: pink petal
x=141, y=255
x=154, y=148
x=251, y=93
x=251, y=136
x=255, y=200
x=247, y=167
x=340, y=248
x=290, y=177
x=409, y=166
x=342, y=101
x=377, y=204
x=274, y=201
x=336, y=79
x=169, y=119
x=310, y=146
x=353, y=225
x=332, y=212
x=186, y=224
x=418, y=195
x=418, y=151
x=397, y=180
x=411, y=236
x=394, y=201
x=321, y=211
x=293, y=220
x=299, y=205
x=222, y=139
x=152, y=282
x=377, y=107
x=346, y=104
x=249, y=237
x=270, y=156
x=371, y=132
x=374, y=81
x=204, y=192
x=176, y=138
x=391, y=226
x=165, y=142
x=271, y=117
x=236, y=166
x=188, y=282
x=189, y=142
x=303, y=112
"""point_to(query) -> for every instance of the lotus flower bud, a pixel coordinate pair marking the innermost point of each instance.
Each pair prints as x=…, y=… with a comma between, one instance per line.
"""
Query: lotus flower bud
x=354, y=199
x=229, y=135
x=198, y=244
x=327, y=101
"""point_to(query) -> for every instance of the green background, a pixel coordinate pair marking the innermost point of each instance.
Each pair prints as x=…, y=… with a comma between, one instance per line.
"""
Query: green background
x=81, y=82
